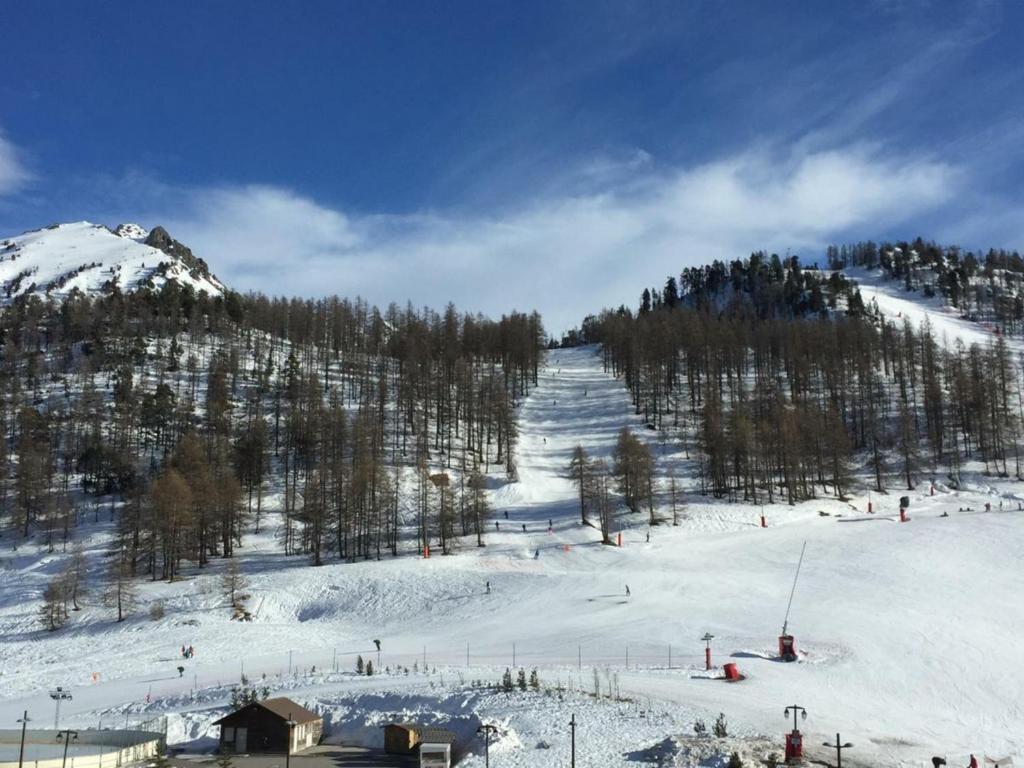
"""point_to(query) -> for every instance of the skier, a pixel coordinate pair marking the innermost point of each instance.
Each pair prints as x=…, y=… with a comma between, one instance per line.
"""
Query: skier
x=627, y=591
x=506, y=514
x=497, y=525
x=524, y=527
x=648, y=537
x=488, y=587
x=181, y=671
x=536, y=554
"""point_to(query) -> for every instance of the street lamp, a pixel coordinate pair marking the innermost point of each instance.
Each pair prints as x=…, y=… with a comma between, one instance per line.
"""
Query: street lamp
x=288, y=750
x=572, y=727
x=795, y=709
x=59, y=695
x=487, y=730
x=794, y=741
x=67, y=735
x=838, y=747
x=24, y=724
x=708, y=637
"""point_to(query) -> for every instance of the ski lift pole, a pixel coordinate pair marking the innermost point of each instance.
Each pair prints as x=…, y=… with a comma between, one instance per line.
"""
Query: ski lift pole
x=787, y=645
x=789, y=605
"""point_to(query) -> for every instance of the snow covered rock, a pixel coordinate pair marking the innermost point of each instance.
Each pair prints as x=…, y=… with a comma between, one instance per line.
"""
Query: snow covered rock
x=92, y=259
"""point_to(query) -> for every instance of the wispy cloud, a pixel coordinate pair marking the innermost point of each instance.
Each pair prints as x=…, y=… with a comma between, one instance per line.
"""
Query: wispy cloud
x=13, y=173
x=562, y=255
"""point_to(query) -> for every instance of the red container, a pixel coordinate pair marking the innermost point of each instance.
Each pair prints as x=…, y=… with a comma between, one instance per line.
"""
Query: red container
x=787, y=648
x=732, y=672
x=794, y=746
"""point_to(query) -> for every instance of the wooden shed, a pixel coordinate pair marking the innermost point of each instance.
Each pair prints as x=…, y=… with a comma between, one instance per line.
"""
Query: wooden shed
x=405, y=738
x=273, y=726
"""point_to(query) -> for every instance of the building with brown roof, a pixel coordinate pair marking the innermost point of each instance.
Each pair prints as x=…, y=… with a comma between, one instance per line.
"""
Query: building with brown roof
x=275, y=726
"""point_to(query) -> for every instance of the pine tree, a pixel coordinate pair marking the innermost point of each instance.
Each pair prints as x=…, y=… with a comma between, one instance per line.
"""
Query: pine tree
x=721, y=727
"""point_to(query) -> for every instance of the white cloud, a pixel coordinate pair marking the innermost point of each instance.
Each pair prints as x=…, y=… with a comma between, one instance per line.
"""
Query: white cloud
x=13, y=173
x=563, y=256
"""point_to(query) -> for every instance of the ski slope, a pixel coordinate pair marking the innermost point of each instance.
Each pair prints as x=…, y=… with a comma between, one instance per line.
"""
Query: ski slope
x=895, y=304
x=909, y=633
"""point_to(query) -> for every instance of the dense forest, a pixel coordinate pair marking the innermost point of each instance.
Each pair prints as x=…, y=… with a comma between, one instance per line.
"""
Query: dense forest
x=181, y=411
x=784, y=385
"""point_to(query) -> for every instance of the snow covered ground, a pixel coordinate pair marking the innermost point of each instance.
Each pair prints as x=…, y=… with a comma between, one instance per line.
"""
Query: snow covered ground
x=896, y=303
x=56, y=260
x=909, y=633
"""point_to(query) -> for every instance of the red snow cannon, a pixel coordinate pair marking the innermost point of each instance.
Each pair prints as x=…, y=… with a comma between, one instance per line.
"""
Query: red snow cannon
x=787, y=648
x=794, y=746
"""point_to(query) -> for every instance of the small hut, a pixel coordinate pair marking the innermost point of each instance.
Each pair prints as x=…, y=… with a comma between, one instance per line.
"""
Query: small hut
x=275, y=726
x=405, y=738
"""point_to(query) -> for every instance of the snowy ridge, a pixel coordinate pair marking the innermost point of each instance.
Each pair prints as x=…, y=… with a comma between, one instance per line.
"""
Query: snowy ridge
x=55, y=261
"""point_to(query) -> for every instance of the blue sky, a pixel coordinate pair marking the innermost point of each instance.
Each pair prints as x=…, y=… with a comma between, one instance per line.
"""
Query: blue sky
x=547, y=155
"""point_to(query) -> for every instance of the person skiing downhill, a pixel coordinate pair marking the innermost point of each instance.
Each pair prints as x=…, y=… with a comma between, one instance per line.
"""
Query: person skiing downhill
x=628, y=593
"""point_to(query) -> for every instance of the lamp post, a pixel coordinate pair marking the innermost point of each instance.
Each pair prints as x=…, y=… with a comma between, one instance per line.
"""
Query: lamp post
x=24, y=724
x=487, y=730
x=59, y=695
x=572, y=728
x=708, y=637
x=795, y=709
x=838, y=747
x=288, y=750
x=794, y=742
x=67, y=735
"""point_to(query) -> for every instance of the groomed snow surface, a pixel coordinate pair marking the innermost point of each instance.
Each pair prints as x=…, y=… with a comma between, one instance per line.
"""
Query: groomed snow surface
x=909, y=634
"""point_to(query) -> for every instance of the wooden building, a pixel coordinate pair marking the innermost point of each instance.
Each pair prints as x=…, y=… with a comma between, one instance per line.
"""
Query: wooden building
x=272, y=726
x=405, y=738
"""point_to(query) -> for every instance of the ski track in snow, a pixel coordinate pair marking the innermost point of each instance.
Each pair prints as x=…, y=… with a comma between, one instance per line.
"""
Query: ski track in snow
x=909, y=634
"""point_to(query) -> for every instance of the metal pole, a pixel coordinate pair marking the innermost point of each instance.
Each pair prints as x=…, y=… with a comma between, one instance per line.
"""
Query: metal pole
x=467, y=654
x=579, y=657
x=572, y=726
x=513, y=655
x=785, y=622
x=670, y=655
x=24, y=725
x=67, y=740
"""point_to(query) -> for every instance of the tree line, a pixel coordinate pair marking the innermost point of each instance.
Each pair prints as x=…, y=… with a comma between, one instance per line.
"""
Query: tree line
x=177, y=414
x=792, y=404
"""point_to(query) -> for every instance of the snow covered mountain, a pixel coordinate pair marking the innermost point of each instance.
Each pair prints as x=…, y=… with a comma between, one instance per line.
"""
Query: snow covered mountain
x=91, y=258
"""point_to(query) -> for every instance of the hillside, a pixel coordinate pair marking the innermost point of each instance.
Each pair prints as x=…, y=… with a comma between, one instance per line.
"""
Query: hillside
x=901, y=650
x=278, y=483
x=92, y=259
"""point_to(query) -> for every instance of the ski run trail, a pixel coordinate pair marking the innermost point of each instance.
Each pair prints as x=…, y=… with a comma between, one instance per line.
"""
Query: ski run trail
x=909, y=634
